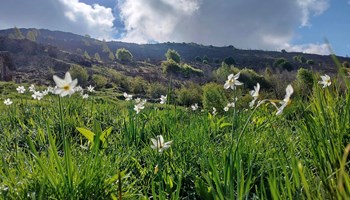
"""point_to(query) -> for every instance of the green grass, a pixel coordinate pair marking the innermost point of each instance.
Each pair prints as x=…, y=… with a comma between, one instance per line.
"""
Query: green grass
x=99, y=148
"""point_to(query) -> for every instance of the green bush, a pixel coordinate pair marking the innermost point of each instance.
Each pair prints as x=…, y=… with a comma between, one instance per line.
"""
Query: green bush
x=99, y=80
x=170, y=66
x=80, y=73
x=305, y=82
x=171, y=54
x=119, y=79
x=123, y=54
x=214, y=96
x=139, y=85
x=187, y=70
x=189, y=94
x=154, y=90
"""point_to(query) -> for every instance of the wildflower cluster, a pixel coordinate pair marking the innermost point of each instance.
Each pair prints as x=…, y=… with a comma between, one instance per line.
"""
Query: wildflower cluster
x=140, y=105
x=232, y=82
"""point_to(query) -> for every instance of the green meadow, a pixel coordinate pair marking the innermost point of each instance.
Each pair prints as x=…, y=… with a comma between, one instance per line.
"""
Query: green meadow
x=64, y=146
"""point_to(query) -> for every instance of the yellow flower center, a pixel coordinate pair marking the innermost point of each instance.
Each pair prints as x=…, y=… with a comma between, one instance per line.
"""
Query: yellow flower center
x=66, y=87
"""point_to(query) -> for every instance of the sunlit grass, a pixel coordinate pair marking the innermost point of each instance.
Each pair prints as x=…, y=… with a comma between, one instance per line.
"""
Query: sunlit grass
x=103, y=147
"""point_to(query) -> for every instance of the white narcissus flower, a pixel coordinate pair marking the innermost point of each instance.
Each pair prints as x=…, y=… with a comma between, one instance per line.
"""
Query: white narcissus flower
x=232, y=81
x=37, y=95
x=159, y=144
x=326, y=81
x=8, y=102
x=194, y=107
x=78, y=89
x=65, y=86
x=163, y=99
x=229, y=105
x=21, y=89
x=128, y=97
x=90, y=89
x=32, y=88
x=50, y=89
x=255, y=94
x=286, y=100
x=140, y=105
x=85, y=96
x=214, y=111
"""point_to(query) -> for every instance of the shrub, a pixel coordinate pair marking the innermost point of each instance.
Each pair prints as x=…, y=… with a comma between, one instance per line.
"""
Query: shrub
x=80, y=73
x=283, y=64
x=187, y=70
x=99, y=80
x=138, y=85
x=214, y=96
x=154, y=90
x=305, y=82
x=229, y=61
x=250, y=78
x=171, y=54
x=119, y=79
x=123, y=54
x=189, y=94
x=170, y=66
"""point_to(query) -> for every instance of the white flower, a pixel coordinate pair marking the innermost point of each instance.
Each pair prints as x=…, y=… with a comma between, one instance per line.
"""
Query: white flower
x=232, y=81
x=214, y=111
x=21, y=89
x=286, y=100
x=37, y=95
x=50, y=89
x=138, y=107
x=90, y=89
x=78, y=89
x=326, y=81
x=194, y=107
x=255, y=94
x=85, y=96
x=8, y=102
x=229, y=105
x=159, y=144
x=163, y=99
x=32, y=88
x=128, y=97
x=65, y=86
x=45, y=92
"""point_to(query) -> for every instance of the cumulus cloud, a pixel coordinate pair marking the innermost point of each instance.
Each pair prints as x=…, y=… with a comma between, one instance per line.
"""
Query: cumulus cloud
x=243, y=23
x=66, y=15
x=322, y=49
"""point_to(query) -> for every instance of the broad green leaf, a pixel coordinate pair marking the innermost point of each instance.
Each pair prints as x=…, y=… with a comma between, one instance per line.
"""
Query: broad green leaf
x=88, y=134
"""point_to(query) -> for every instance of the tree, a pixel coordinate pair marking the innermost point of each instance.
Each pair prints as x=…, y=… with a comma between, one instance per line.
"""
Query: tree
x=171, y=54
x=111, y=56
x=97, y=56
x=198, y=59
x=31, y=35
x=123, y=54
x=282, y=63
x=86, y=55
x=305, y=82
x=229, y=61
x=18, y=34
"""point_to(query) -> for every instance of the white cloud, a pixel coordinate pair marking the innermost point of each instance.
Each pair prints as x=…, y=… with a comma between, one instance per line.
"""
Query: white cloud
x=322, y=49
x=66, y=15
x=246, y=24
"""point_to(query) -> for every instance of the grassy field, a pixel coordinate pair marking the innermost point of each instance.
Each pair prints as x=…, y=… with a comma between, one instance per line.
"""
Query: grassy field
x=104, y=148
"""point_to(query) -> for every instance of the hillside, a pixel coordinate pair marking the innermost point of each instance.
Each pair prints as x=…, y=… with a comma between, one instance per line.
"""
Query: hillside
x=36, y=52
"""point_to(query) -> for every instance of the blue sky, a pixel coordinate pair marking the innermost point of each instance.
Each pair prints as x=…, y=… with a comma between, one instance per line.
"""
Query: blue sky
x=293, y=25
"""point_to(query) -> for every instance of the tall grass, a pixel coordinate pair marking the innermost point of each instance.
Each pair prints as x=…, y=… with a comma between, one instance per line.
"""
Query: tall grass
x=73, y=148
